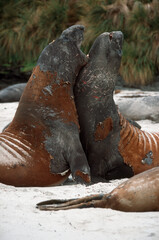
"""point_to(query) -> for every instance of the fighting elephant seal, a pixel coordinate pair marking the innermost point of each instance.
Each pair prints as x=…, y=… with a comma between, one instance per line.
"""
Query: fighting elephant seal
x=98, y=118
x=41, y=145
x=114, y=147
x=138, y=194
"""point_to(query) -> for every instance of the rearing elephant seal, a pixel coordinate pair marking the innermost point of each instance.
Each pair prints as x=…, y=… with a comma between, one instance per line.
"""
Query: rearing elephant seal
x=114, y=147
x=41, y=145
x=97, y=110
x=138, y=194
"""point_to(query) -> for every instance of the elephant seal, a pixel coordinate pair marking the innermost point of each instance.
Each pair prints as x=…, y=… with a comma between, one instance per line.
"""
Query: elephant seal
x=114, y=147
x=137, y=104
x=41, y=146
x=98, y=117
x=12, y=93
x=138, y=194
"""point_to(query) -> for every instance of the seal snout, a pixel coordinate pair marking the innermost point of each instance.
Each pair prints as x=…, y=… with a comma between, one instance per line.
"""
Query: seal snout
x=110, y=36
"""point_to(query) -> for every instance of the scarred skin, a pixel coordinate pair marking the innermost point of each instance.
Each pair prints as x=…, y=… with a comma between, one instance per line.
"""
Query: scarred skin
x=138, y=194
x=98, y=117
x=114, y=147
x=41, y=146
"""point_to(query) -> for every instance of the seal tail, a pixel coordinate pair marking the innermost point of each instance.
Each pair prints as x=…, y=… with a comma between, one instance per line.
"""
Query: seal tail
x=92, y=201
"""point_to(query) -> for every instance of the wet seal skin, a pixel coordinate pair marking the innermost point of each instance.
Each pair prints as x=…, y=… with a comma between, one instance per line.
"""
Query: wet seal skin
x=115, y=148
x=138, y=194
x=41, y=146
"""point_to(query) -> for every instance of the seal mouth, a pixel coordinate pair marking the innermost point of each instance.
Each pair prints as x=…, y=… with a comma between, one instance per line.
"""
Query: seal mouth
x=110, y=36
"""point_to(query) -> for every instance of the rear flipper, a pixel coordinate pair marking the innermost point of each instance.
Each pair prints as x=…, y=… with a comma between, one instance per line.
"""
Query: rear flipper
x=85, y=202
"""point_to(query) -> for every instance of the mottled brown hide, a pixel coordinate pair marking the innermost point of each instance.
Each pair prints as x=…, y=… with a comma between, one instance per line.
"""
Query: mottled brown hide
x=138, y=148
x=58, y=96
x=103, y=129
x=26, y=161
x=29, y=130
x=29, y=163
x=41, y=146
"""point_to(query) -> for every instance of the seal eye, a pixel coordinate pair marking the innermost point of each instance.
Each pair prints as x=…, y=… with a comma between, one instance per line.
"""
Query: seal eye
x=110, y=36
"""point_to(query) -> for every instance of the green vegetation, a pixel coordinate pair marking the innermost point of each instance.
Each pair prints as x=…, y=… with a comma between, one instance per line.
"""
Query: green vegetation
x=26, y=27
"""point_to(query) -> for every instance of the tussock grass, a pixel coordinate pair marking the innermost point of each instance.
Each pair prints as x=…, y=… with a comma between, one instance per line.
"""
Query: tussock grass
x=26, y=27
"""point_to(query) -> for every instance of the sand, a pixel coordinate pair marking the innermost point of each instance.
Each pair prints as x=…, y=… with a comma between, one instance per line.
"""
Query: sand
x=20, y=219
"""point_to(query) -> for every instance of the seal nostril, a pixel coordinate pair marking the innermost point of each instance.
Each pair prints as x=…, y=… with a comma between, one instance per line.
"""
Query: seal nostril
x=110, y=36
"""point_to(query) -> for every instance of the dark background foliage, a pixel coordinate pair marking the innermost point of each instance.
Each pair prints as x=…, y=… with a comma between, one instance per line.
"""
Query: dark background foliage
x=26, y=27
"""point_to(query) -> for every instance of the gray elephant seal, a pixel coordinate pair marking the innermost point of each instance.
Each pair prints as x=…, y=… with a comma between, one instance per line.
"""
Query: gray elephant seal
x=138, y=194
x=138, y=105
x=41, y=145
x=98, y=116
x=12, y=93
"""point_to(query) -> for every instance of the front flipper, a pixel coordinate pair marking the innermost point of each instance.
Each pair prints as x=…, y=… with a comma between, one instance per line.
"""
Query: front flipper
x=66, y=152
x=85, y=202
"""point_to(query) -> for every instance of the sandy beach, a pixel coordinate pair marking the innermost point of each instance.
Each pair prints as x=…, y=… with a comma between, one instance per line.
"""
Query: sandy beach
x=20, y=219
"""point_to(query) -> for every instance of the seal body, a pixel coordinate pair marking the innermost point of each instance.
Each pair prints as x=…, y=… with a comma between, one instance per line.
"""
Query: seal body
x=138, y=105
x=12, y=93
x=98, y=117
x=138, y=194
x=114, y=147
x=41, y=145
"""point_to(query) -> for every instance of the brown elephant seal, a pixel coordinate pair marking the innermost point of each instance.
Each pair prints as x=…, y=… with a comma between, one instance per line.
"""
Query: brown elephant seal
x=41, y=146
x=114, y=147
x=138, y=194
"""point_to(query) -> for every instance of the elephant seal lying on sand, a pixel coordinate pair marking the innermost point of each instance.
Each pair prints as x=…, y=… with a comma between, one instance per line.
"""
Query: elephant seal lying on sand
x=12, y=93
x=138, y=194
x=138, y=105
